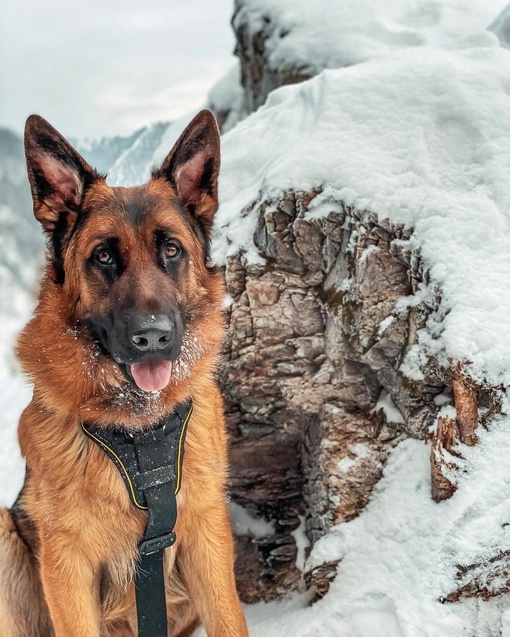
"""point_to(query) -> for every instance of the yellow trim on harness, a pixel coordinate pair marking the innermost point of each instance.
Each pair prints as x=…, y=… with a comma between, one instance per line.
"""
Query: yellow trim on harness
x=103, y=444
x=179, y=452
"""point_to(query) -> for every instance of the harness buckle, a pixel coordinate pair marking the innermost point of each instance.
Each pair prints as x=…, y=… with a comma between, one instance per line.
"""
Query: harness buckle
x=155, y=544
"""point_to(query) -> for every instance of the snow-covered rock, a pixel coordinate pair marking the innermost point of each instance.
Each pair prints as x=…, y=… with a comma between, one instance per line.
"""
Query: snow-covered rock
x=419, y=137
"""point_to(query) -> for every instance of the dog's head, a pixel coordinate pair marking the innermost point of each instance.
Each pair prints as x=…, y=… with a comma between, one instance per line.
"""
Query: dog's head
x=132, y=263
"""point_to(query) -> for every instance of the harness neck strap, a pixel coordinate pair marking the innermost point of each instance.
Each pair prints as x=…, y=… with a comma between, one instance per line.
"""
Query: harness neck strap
x=150, y=464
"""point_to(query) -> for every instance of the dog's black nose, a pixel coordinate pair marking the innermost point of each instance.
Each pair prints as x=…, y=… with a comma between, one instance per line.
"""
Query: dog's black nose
x=152, y=333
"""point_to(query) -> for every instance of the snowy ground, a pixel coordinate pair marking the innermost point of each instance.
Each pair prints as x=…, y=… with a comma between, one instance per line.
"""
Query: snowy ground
x=421, y=136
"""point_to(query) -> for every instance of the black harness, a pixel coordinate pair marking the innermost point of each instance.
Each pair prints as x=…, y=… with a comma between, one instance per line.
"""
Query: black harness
x=150, y=464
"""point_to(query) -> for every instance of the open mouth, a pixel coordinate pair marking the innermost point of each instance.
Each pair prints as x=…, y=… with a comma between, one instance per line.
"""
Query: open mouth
x=152, y=374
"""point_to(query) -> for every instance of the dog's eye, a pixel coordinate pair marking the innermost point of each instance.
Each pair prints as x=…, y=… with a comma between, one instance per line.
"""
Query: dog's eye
x=104, y=257
x=172, y=250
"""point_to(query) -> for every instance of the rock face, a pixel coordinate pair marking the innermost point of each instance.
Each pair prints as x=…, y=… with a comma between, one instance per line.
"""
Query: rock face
x=258, y=76
x=314, y=396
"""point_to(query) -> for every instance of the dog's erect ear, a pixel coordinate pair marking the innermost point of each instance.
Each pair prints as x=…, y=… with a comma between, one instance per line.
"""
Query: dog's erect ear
x=58, y=175
x=192, y=167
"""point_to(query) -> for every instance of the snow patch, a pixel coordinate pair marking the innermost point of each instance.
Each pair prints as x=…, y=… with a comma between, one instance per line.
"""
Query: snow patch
x=389, y=408
x=384, y=324
x=398, y=558
x=302, y=543
x=245, y=523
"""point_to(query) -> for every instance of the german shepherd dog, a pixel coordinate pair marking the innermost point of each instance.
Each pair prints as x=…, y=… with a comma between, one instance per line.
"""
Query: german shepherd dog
x=129, y=325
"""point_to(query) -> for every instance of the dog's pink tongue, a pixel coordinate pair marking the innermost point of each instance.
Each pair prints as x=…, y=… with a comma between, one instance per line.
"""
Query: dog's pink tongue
x=152, y=375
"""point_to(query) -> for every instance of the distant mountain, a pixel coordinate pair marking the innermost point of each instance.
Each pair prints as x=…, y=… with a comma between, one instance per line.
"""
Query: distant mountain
x=14, y=189
x=125, y=160
x=134, y=165
x=104, y=152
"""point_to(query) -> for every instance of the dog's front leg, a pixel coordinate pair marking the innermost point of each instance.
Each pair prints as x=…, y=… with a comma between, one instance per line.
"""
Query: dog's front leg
x=70, y=588
x=207, y=563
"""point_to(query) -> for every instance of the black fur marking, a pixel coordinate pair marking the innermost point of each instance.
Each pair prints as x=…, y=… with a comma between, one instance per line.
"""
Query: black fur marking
x=141, y=204
x=206, y=181
x=99, y=336
x=42, y=187
x=82, y=216
x=23, y=522
x=134, y=212
x=62, y=235
x=58, y=240
x=90, y=178
x=137, y=208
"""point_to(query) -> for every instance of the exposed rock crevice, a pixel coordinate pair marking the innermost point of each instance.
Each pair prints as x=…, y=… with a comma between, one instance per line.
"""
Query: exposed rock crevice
x=314, y=396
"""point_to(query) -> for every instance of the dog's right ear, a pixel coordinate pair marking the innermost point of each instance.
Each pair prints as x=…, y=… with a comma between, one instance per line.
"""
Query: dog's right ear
x=58, y=175
x=192, y=168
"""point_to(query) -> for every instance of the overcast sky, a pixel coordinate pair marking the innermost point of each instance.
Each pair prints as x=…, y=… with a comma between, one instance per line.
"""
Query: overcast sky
x=103, y=67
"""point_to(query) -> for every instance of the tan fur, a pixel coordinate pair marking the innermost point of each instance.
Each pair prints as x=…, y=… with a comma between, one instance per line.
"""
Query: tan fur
x=80, y=531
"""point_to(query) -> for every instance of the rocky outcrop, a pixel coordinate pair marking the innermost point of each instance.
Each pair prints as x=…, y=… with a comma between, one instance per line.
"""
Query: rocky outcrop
x=258, y=76
x=314, y=396
x=322, y=374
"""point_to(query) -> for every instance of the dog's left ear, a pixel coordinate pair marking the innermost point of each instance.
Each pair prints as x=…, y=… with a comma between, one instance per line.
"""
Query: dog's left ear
x=192, y=168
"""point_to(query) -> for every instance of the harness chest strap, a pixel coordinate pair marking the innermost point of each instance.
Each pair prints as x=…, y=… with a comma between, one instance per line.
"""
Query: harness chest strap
x=150, y=464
